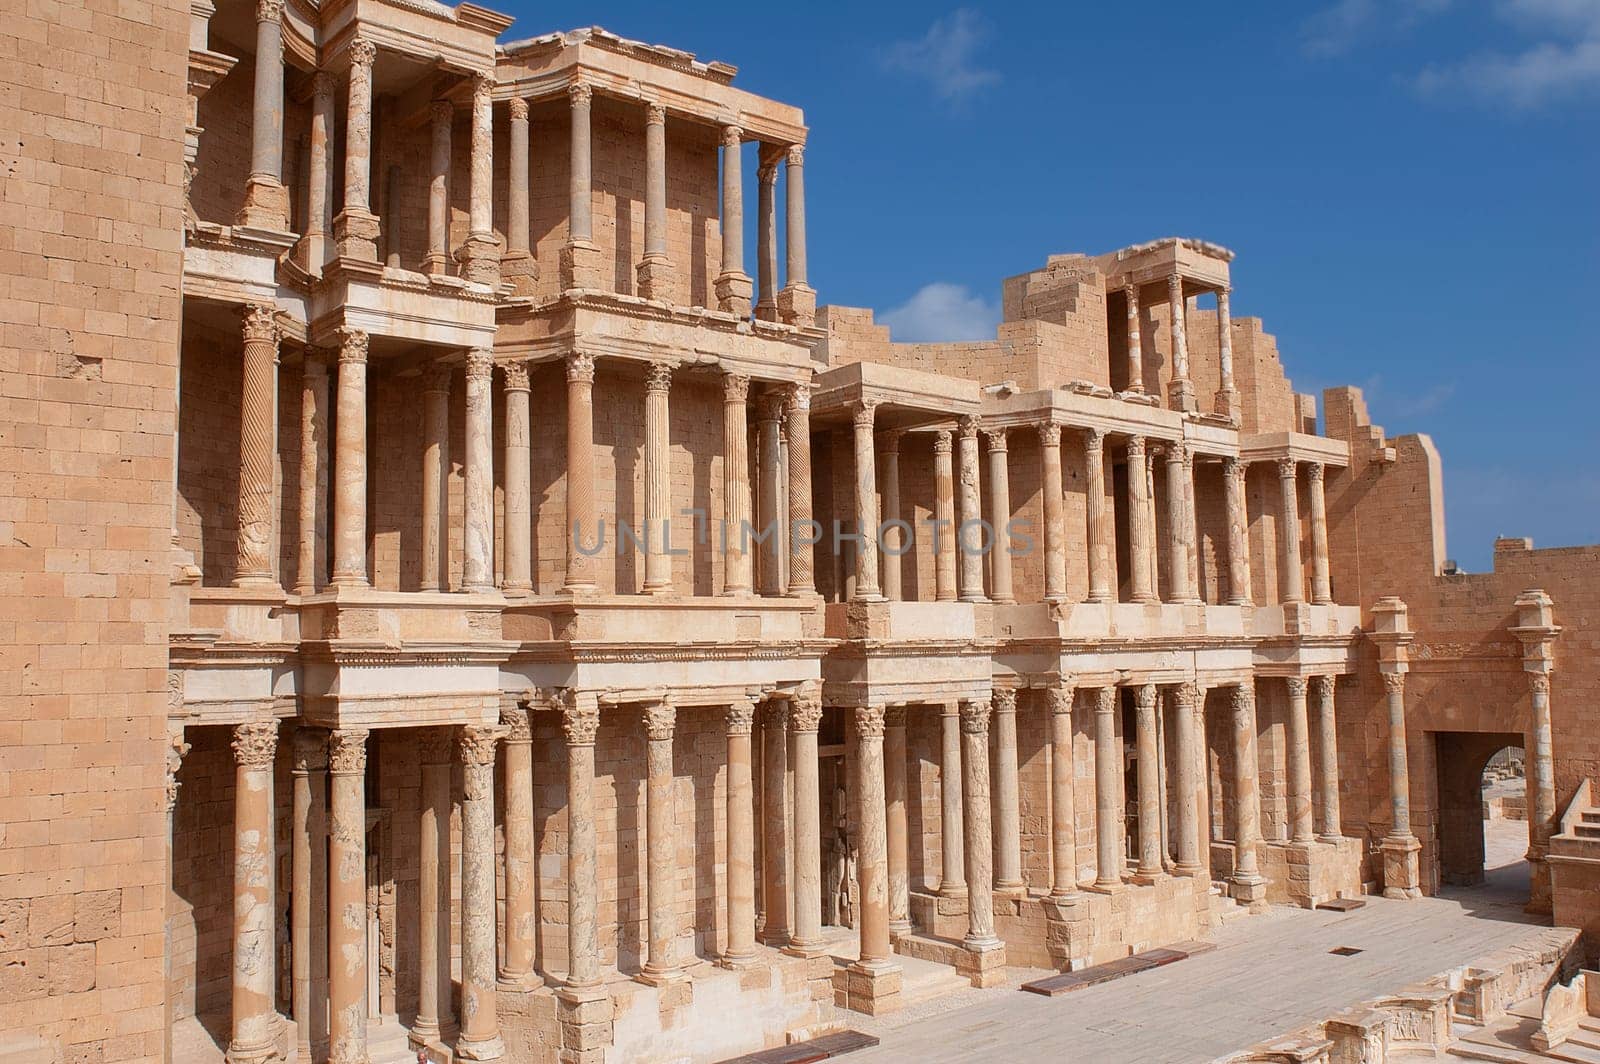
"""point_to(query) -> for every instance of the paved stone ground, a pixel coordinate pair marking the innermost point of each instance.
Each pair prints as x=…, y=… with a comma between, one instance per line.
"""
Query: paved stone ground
x=1273, y=973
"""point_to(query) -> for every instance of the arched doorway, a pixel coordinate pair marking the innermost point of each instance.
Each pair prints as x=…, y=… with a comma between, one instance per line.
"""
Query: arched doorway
x=1483, y=828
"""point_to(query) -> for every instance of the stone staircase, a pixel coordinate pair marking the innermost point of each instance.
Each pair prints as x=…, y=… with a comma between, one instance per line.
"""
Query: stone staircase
x=1223, y=908
x=1513, y=1042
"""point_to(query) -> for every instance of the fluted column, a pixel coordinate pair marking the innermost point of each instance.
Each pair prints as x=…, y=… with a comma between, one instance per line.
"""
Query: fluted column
x=258, y=450
x=1141, y=544
x=308, y=919
x=1097, y=534
x=355, y=229
x=797, y=303
x=1135, y=346
x=521, y=852
x=1289, y=534
x=1322, y=690
x=1063, y=778
x=480, y=255
x=1147, y=739
x=866, y=504
x=1239, y=594
x=580, y=720
x=1180, y=524
x=945, y=533
x=583, y=533
x=953, y=876
x=255, y=1019
x=350, y=464
x=580, y=258
x=441, y=117
x=1107, y=790
x=1301, y=825
x=266, y=201
x=897, y=829
x=1191, y=534
x=655, y=269
x=1181, y=389
x=480, y=1026
x=1007, y=796
x=1541, y=765
x=1055, y=544
x=435, y=1015
x=661, y=959
x=518, y=264
x=657, y=478
x=775, y=838
x=733, y=287
x=435, y=476
x=1247, y=791
x=889, y=518
x=478, y=494
x=1321, y=581
x=797, y=414
x=1185, y=702
x=312, y=555
x=872, y=870
x=519, y=492
x=735, y=485
x=741, y=946
x=805, y=715
x=767, y=237
x=970, y=533
x=769, y=491
x=1000, y=589
x=347, y=896
x=1228, y=396
x=977, y=799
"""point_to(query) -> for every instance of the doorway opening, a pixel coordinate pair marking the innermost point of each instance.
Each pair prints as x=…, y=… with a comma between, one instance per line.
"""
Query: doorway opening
x=1483, y=820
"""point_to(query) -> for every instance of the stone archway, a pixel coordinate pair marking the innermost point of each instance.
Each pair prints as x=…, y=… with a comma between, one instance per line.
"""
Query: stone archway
x=1461, y=758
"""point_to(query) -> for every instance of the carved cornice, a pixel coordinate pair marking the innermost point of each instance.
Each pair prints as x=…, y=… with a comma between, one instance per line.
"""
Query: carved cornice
x=347, y=752
x=255, y=744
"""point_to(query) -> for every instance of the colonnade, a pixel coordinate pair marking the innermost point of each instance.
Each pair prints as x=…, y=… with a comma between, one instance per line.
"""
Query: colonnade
x=1181, y=386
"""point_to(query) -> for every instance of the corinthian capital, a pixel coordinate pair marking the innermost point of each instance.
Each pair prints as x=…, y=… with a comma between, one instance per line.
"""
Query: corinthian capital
x=975, y=717
x=735, y=388
x=1394, y=683
x=255, y=744
x=658, y=378
x=968, y=426
x=260, y=322
x=478, y=744
x=796, y=155
x=863, y=413
x=1058, y=697
x=1287, y=468
x=580, y=94
x=480, y=364
x=516, y=376
x=352, y=345
x=1049, y=434
x=362, y=54
x=269, y=10
x=660, y=718
x=518, y=728
x=800, y=397
x=732, y=137
x=1004, y=699
x=741, y=716
x=518, y=109
x=942, y=442
x=347, y=752
x=580, y=367
x=869, y=722
x=805, y=714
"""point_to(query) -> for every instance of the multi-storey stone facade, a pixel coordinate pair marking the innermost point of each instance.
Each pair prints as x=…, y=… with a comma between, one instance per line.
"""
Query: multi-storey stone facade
x=382, y=451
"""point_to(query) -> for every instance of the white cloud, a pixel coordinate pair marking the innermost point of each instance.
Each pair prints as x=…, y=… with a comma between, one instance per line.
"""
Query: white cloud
x=945, y=57
x=942, y=312
x=1337, y=28
x=1562, y=60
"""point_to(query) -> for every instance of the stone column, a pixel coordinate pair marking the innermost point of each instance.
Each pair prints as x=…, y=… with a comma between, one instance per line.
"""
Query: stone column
x=1401, y=875
x=311, y=566
x=733, y=288
x=1239, y=594
x=435, y=1016
x=797, y=303
x=798, y=429
x=347, y=896
x=441, y=115
x=741, y=946
x=521, y=853
x=308, y=920
x=518, y=263
x=1063, y=778
x=1007, y=798
x=583, y=534
x=976, y=798
x=319, y=174
x=655, y=269
x=1328, y=749
x=355, y=230
x=1541, y=787
x=970, y=532
x=580, y=720
x=1107, y=791
x=580, y=258
x=1098, y=537
x=480, y=255
x=657, y=478
x=735, y=485
x=266, y=201
x=1289, y=534
x=1148, y=739
x=805, y=715
x=350, y=458
x=255, y=1019
x=898, y=834
x=866, y=504
x=435, y=477
x=775, y=824
x=477, y=572
x=945, y=533
x=1321, y=583
x=769, y=470
x=1228, y=396
x=872, y=870
x=480, y=1027
x=1141, y=544
x=953, y=876
x=1000, y=514
x=1301, y=826
x=518, y=579
x=767, y=237
x=1055, y=544
x=1248, y=885
x=1185, y=703
x=1180, y=392
x=893, y=541
x=661, y=842
x=1135, y=347
x=1180, y=523
x=258, y=450
x=1191, y=535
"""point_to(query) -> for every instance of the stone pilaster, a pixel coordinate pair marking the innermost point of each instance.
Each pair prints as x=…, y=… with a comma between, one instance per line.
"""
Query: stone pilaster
x=441, y=117
x=953, y=879
x=661, y=961
x=480, y=1026
x=1107, y=792
x=1289, y=533
x=1321, y=581
x=583, y=533
x=797, y=303
x=266, y=201
x=655, y=271
x=1135, y=346
x=1141, y=541
x=733, y=287
x=435, y=1016
x=1063, y=780
x=1402, y=873
x=775, y=856
x=1323, y=689
x=1147, y=739
x=1248, y=885
x=1302, y=828
x=735, y=485
x=805, y=716
x=1185, y=704
x=350, y=451
x=1227, y=399
x=1180, y=390
x=866, y=500
x=480, y=255
x=478, y=494
x=797, y=415
x=657, y=478
x=521, y=853
x=580, y=721
x=1000, y=589
x=767, y=237
x=355, y=229
x=347, y=897
x=1097, y=533
x=258, y=450
x=889, y=518
x=518, y=579
x=580, y=257
x=969, y=536
x=1055, y=541
x=897, y=831
x=518, y=264
x=1007, y=795
x=944, y=514
x=255, y=1019
x=741, y=946
x=308, y=920
x=1239, y=593
x=435, y=537
x=311, y=566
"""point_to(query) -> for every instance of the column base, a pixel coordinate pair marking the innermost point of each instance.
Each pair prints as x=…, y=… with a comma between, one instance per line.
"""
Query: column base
x=266, y=206
x=1180, y=395
x=872, y=987
x=797, y=305
x=1226, y=403
x=983, y=962
x=355, y=234
x=518, y=982
x=1402, y=872
x=659, y=977
x=522, y=270
x=738, y=961
x=733, y=291
x=1249, y=890
x=481, y=1049
x=1187, y=871
x=480, y=260
x=1145, y=879
x=252, y=1053
x=436, y=264
x=899, y=929
x=656, y=279
x=580, y=265
x=1106, y=886
x=804, y=948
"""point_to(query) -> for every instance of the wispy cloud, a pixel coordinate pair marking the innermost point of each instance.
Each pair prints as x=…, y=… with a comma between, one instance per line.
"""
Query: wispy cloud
x=1339, y=27
x=1562, y=58
x=945, y=57
x=942, y=312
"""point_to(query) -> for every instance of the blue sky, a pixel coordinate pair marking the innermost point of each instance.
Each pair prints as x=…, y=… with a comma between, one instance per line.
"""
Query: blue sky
x=1410, y=187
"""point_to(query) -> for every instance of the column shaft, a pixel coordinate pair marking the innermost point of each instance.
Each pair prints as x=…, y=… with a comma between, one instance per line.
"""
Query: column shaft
x=897, y=830
x=1247, y=790
x=893, y=541
x=434, y=1012
x=521, y=852
x=953, y=877
x=518, y=263
x=1063, y=779
x=872, y=871
x=970, y=533
x=1107, y=790
x=266, y=203
x=311, y=567
x=1181, y=389
x=769, y=491
x=1321, y=581
x=654, y=271
x=733, y=284
x=1097, y=534
x=441, y=115
x=1135, y=347
x=1141, y=544
x=255, y=1020
x=657, y=478
x=945, y=533
x=1233, y=472
x=1289, y=534
x=308, y=919
x=1180, y=528
x=481, y=254
x=866, y=505
x=767, y=238
x=741, y=946
x=1228, y=399
x=350, y=458
x=1007, y=796
x=518, y=536
x=1399, y=769
x=775, y=825
x=579, y=207
x=580, y=721
x=435, y=475
x=319, y=171
x=735, y=485
x=980, y=844
x=661, y=963
x=258, y=450
x=1055, y=541
x=478, y=494
x=355, y=228
x=1301, y=826
x=1000, y=589
x=1185, y=703
x=583, y=534
x=480, y=1026
x=347, y=897
x=797, y=303
x=804, y=717
x=1328, y=750
x=797, y=534
x=1541, y=765
x=1147, y=738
